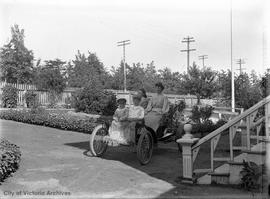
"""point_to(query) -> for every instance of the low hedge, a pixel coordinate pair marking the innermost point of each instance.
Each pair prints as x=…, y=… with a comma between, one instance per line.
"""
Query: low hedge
x=206, y=127
x=56, y=120
x=10, y=156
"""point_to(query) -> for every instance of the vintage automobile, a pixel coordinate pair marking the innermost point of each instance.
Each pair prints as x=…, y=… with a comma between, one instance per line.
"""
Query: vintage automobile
x=144, y=141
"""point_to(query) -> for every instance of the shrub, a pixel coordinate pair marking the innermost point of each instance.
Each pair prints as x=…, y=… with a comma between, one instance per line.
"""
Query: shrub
x=220, y=123
x=68, y=102
x=31, y=99
x=40, y=116
x=200, y=117
x=206, y=112
x=9, y=97
x=94, y=100
x=196, y=114
x=251, y=173
x=10, y=156
x=201, y=113
x=206, y=127
x=173, y=118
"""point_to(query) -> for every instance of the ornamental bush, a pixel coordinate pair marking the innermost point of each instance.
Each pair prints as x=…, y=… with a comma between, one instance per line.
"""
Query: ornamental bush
x=94, y=100
x=10, y=156
x=31, y=99
x=9, y=97
x=201, y=122
x=206, y=127
x=201, y=113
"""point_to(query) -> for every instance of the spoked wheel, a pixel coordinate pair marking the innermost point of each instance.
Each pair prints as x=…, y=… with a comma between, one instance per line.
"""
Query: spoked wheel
x=97, y=144
x=145, y=147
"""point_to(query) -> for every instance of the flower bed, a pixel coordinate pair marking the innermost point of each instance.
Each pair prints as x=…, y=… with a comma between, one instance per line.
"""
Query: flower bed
x=60, y=120
x=10, y=155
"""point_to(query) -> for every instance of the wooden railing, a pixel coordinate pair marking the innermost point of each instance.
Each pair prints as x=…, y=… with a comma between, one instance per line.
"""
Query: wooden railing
x=248, y=125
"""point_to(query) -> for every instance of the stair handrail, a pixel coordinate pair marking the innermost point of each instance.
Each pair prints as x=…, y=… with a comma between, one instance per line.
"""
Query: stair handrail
x=231, y=122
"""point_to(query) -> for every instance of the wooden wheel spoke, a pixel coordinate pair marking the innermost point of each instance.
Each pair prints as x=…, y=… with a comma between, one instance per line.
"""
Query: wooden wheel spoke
x=97, y=143
x=145, y=147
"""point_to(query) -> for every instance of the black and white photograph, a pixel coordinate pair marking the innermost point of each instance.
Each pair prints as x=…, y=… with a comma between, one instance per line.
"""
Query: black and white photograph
x=134, y=99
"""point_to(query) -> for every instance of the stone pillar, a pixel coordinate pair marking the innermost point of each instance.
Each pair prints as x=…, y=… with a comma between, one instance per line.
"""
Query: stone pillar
x=187, y=141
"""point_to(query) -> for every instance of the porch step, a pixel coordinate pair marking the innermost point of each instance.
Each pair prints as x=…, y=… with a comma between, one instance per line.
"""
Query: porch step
x=219, y=178
x=235, y=169
x=255, y=137
x=238, y=148
x=262, y=152
x=266, y=140
x=197, y=171
x=256, y=156
x=221, y=159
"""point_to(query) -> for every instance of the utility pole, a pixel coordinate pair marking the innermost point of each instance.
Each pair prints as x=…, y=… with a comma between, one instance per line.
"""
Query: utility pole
x=232, y=72
x=240, y=62
x=203, y=57
x=188, y=40
x=124, y=43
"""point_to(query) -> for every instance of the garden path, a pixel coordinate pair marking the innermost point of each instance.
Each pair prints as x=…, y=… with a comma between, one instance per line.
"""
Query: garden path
x=57, y=162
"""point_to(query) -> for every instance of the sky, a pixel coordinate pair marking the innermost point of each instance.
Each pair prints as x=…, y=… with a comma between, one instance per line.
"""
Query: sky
x=155, y=28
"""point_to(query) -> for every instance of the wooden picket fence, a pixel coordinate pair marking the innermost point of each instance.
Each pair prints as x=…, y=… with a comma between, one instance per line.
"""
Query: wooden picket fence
x=43, y=95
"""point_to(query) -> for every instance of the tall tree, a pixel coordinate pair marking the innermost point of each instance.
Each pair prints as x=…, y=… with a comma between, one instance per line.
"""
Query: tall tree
x=200, y=82
x=170, y=79
x=135, y=77
x=85, y=69
x=117, y=77
x=265, y=84
x=50, y=77
x=151, y=77
x=224, y=84
x=16, y=61
x=246, y=93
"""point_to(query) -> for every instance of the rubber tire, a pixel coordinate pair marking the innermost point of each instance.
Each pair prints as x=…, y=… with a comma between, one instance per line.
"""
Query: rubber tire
x=140, y=157
x=92, y=140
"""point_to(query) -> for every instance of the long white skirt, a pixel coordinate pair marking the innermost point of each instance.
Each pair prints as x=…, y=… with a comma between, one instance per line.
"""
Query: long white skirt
x=152, y=120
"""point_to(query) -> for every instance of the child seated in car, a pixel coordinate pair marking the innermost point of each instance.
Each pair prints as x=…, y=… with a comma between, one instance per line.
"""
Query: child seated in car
x=119, y=123
x=135, y=113
x=122, y=128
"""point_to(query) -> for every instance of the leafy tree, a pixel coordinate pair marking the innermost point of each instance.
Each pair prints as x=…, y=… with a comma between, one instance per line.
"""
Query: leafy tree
x=49, y=77
x=170, y=79
x=265, y=84
x=86, y=68
x=16, y=61
x=135, y=77
x=199, y=82
x=247, y=88
x=224, y=84
x=151, y=77
x=94, y=99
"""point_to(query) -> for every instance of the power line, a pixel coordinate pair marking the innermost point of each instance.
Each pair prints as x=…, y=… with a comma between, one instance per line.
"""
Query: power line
x=203, y=57
x=124, y=43
x=188, y=40
x=240, y=62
